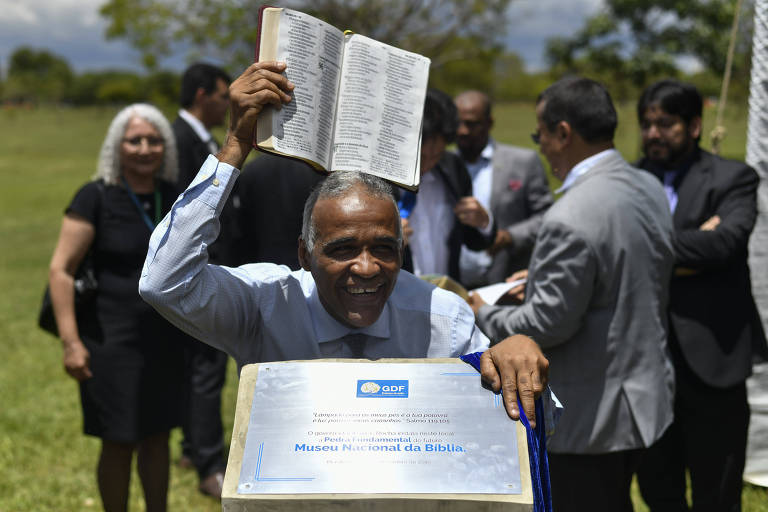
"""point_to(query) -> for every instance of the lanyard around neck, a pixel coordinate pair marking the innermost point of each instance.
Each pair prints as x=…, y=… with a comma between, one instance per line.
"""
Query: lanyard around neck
x=158, y=206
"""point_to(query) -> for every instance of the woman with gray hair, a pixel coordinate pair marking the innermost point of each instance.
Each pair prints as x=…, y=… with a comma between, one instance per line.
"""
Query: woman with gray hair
x=127, y=359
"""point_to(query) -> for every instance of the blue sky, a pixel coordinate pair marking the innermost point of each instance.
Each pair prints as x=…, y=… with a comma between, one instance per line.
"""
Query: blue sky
x=74, y=30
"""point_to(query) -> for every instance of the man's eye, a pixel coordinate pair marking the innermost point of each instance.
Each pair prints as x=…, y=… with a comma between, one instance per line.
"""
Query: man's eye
x=342, y=252
x=384, y=251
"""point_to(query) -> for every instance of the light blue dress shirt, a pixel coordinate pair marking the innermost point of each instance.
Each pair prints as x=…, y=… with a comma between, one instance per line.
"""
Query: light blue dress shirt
x=582, y=168
x=265, y=312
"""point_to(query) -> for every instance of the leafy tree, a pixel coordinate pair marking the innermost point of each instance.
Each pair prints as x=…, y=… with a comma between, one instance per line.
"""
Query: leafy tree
x=113, y=86
x=433, y=28
x=37, y=75
x=632, y=42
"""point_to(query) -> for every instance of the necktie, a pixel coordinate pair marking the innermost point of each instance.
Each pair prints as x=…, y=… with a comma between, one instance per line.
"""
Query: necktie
x=356, y=344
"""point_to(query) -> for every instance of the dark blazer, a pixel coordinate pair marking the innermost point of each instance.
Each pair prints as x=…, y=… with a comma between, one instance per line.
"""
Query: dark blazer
x=712, y=313
x=192, y=152
x=458, y=183
x=273, y=191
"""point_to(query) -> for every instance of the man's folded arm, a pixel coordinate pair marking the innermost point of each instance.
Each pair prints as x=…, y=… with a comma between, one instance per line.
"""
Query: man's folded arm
x=727, y=243
x=217, y=305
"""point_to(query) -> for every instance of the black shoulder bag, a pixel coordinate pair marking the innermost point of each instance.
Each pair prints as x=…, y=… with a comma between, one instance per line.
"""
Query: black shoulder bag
x=85, y=287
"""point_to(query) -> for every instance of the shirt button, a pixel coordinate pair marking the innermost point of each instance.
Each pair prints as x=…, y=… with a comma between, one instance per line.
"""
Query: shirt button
x=215, y=182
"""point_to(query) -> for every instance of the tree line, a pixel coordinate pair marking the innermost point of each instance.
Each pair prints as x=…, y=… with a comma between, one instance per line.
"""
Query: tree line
x=626, y=45
x=38, y=76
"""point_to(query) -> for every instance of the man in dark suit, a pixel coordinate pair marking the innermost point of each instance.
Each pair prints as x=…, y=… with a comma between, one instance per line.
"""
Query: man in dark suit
x=509, y=182
x=204, y=102
x=445, y=216
x=713, y=322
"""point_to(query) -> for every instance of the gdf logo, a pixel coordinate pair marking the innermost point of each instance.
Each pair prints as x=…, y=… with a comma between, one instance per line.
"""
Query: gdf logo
x=382, y=388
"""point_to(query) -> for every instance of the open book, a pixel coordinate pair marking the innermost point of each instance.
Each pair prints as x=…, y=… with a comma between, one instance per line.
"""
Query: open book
x=357, y=103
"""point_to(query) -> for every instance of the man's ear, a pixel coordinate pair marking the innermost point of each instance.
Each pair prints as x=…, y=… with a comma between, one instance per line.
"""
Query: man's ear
x=563, y=132
x=305, y=258
x=199, y=95
x=694, y=128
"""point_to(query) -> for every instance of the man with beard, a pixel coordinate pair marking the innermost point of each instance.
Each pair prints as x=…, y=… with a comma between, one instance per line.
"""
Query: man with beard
x=713, y=323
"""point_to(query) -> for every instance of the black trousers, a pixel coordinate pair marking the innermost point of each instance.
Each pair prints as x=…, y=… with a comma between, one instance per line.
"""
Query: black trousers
x=709, y=438
x=593, y=482
x=203, y=431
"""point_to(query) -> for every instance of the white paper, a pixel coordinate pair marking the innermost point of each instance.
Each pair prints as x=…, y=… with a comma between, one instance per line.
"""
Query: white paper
x=492, y=293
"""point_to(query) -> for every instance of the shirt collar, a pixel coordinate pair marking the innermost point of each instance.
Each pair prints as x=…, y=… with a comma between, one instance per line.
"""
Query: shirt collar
x=485, y=155
x=328, y=328
x=196, y=125
x=583, y=168
x=487, y=151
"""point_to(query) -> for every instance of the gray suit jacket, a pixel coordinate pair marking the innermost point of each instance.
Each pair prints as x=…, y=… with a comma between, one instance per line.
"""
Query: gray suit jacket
x=519, y=197
x=596, y=302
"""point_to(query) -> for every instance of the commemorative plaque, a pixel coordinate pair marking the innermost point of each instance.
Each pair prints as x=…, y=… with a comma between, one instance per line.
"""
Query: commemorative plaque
x=397, y=434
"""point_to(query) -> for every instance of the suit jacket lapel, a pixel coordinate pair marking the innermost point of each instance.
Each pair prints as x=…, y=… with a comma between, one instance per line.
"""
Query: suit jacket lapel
x=450, y=180
x=688, y=192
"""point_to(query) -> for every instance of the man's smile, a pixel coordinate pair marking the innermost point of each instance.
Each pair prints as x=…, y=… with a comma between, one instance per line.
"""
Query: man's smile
x=363, y=290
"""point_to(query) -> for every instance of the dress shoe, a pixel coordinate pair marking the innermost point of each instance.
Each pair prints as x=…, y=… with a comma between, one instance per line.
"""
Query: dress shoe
x=185, y=462
x=212, y=484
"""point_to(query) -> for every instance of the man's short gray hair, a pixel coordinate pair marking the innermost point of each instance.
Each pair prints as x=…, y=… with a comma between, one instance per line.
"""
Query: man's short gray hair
x=338, y=184
x=108, y=167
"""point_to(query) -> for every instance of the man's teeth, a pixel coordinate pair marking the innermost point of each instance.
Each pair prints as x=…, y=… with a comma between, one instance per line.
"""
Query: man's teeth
x=363, y=290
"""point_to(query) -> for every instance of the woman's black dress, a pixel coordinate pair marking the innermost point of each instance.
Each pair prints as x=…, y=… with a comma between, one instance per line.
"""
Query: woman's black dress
x=136, y=356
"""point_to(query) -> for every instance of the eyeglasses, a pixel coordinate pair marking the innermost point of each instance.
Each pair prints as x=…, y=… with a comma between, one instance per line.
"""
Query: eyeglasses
x=151, y=141
x=536, y=137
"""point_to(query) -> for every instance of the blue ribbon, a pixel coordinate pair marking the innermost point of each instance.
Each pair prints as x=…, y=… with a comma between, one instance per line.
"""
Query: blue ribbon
x=537, y=447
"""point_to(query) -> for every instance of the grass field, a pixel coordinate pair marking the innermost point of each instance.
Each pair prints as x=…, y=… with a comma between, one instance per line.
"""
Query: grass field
x=46, y=464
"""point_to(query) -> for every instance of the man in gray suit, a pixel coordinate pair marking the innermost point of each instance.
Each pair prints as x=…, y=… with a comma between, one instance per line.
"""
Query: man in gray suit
x=507, y=181
x=596, y=301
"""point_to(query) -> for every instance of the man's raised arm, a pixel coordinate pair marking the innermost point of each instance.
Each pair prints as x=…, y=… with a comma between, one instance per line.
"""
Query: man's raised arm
x=209, y=301
x=261, y=84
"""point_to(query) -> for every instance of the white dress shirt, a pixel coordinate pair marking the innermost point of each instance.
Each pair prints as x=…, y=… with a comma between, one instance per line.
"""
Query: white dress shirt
x=200, y=130
x=474, y=264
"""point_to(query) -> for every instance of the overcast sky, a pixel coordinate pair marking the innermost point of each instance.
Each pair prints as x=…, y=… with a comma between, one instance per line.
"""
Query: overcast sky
x=74, y=30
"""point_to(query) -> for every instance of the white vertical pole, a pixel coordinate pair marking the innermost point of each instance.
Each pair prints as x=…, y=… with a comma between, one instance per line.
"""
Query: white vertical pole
x=756, y=470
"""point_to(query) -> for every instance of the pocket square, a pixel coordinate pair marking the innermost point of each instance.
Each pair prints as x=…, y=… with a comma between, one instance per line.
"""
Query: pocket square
x=515, y=185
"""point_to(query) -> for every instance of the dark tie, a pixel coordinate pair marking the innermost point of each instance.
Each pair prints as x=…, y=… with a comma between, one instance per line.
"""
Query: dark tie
x=356, y=344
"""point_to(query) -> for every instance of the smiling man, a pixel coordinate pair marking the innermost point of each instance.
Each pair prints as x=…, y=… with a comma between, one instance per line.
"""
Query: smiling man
x=349, y=299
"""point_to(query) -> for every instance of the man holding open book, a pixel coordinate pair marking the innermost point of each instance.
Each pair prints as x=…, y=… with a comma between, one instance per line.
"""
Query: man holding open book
x=350, y=299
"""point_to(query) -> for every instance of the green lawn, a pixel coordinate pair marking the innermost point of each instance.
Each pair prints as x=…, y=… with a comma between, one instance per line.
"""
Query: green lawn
x=47, y=464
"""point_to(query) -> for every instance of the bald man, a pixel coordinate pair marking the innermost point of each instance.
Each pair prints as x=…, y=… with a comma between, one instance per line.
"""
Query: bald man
x=509, y=182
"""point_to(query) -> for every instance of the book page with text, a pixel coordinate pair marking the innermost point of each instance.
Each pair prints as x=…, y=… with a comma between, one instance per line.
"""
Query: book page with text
x=312, y=50
x=380, y=107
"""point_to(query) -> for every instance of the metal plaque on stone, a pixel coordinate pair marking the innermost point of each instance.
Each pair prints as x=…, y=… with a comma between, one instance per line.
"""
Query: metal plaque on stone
x=360, y=434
